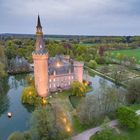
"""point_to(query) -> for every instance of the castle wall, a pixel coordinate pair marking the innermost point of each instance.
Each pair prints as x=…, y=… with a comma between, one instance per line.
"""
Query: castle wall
x=62, y=81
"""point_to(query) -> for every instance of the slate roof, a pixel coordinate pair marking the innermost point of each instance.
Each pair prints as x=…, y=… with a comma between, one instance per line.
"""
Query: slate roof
x=64, y=65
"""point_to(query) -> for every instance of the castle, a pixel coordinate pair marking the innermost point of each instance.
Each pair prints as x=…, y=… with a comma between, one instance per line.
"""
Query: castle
x=53, y=73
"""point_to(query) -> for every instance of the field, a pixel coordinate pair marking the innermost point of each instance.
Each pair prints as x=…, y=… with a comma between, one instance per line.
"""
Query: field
x=131, y=53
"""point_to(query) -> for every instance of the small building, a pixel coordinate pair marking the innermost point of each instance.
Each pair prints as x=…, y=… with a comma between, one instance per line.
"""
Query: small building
x=53, y=73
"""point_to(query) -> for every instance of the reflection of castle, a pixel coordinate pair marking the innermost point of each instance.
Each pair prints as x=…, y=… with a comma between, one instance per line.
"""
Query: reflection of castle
x=53, y=73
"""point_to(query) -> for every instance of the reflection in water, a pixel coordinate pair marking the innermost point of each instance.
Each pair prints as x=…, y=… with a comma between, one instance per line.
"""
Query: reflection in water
x=4, y=100
x=10, y=101
x=18, y=80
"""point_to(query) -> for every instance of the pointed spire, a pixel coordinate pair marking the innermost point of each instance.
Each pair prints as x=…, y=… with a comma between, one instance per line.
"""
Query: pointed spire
x=38, y=22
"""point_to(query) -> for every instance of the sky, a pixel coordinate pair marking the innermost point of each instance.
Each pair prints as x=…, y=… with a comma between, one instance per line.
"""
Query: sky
x=71, y=17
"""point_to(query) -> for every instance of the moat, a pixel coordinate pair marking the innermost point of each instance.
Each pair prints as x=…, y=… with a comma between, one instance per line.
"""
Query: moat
x=10, y=101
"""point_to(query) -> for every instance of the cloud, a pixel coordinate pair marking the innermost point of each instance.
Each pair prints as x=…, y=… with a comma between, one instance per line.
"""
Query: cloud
x=72, y=16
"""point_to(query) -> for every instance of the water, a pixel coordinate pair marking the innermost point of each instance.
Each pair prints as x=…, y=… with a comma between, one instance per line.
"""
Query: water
x=99, y=83
x=10, y=101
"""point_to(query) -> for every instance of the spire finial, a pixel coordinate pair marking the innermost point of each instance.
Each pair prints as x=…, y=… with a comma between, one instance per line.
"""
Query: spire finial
x=38, y=22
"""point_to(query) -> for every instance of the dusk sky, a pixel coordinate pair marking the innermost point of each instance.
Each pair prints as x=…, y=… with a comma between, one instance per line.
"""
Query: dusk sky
x=75, y=17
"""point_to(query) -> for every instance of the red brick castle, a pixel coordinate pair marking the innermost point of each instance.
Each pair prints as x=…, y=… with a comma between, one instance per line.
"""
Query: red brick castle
x=53, y=73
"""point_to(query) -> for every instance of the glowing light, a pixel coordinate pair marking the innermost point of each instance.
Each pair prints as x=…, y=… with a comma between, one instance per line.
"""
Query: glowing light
x=44, y=101
x=86, y=83
x=58, y=64
x=30, y=93
x=68, y=129
x=64, y=120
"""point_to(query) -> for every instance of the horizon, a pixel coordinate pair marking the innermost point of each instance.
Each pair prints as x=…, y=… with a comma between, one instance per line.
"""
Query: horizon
x=68, y=35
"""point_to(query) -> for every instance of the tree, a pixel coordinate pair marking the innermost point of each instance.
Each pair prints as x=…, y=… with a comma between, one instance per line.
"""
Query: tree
x=133, y=89
x=92, y=64
x=93, y=108
x=127, y=117
x=3, y=63
x=78, y=88
x=43, y=124
x=81, y=50
x=100, y=59
x=29, y=95
x=101, y=51
x=120, y=57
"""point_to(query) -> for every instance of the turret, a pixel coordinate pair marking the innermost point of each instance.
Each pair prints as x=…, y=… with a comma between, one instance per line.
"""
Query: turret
x=40, y=58
x=78, y=70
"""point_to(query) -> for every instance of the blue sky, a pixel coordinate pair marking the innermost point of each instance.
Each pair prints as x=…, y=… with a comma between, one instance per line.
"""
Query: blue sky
x=83, y=17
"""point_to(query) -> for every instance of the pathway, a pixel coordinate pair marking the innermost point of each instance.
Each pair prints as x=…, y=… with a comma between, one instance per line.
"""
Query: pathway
x=88, y=133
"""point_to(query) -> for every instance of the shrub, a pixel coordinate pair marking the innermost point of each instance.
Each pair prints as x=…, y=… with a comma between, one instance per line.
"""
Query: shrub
x=133, y=95
x=105, y=134
x=100, y=60
x=78, y=89
x=92, y=64
x=29, y=95
x=108, y=134
x=127, y=117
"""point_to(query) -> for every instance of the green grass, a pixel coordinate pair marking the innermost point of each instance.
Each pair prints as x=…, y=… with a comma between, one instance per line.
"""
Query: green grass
x=135, y=107
x=75, y=100
x=134, y=134
x=130, y=53
x=125, y=134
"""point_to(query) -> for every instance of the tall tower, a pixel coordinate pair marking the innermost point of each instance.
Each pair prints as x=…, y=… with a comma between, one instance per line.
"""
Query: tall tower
x=40, y=58
x=78, y=70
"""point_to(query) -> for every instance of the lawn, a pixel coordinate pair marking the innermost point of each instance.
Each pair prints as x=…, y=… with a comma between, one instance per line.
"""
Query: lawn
x=134, y=134
x=135, y=107
x=124, y=135
x=131, y=53
x=75, y=100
